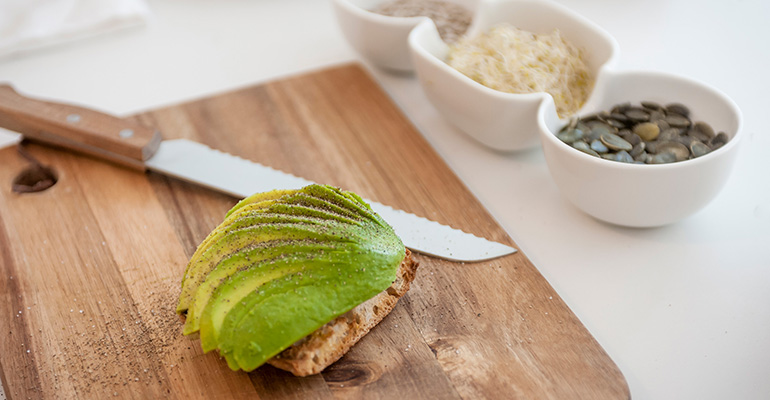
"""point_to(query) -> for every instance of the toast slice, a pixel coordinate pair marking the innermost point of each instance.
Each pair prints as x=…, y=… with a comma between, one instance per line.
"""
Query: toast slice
x=327, y=344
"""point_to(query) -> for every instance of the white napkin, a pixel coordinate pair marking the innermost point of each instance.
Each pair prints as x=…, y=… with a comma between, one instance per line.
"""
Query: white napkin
x=32, y=24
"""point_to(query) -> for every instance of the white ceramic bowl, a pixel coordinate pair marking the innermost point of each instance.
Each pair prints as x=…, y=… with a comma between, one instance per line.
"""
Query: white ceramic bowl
x=381, y=39
x=502, y=121
x=644, y=195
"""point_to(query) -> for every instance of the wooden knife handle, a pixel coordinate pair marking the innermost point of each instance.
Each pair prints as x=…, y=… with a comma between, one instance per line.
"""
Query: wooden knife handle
x=77, y=128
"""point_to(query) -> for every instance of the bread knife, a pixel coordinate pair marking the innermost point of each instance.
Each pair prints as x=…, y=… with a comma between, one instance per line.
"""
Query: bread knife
x=139, y=147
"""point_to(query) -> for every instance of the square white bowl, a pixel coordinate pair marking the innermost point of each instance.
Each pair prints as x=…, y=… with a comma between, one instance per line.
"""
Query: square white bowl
x=502, y=121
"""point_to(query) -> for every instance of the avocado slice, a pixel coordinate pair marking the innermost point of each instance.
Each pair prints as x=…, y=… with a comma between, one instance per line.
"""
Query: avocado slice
x=280, y=239
x=281, y=265
x=245, y=214
x=193, y=274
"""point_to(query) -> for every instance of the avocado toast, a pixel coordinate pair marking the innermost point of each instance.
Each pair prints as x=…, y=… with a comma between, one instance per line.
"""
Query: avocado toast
x=294, y=278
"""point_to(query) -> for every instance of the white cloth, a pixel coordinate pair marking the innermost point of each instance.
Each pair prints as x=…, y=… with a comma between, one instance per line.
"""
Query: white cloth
x=32, y=24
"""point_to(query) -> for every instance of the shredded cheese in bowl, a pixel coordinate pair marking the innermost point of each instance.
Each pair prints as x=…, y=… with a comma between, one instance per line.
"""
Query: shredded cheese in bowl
x=512, y=60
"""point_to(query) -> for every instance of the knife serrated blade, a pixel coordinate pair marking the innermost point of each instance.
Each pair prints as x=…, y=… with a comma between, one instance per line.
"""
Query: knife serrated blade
x=199, y=164
x=136, y=146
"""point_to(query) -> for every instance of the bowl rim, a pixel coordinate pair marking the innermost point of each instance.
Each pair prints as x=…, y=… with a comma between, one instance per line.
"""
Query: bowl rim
x=377, y=18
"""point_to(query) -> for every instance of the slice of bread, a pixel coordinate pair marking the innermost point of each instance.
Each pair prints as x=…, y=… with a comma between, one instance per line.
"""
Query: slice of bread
x=327, y=344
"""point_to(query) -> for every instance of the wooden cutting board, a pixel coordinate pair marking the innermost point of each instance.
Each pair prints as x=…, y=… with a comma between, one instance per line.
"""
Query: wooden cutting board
x=90, y=269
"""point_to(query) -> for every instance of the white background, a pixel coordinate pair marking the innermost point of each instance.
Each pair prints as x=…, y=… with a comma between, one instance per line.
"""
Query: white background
x=683, y=310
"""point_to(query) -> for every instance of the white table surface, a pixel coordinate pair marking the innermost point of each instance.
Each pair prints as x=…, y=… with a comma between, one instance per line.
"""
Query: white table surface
x=683, y=310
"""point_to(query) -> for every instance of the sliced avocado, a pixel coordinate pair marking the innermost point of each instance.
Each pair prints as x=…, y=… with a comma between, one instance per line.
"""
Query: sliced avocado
x=232, y=222
x=269, y=320
x=246, y=259
x=241, y=233
x=253, y=202
x=280, y=266
x=271, y=277
x=342, y=246
x=262, y=209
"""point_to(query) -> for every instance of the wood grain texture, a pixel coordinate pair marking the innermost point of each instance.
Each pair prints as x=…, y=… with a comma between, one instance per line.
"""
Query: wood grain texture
x=114, y=243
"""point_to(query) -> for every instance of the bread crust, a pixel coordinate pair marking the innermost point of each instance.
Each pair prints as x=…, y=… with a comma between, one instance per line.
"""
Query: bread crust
x=311, y=354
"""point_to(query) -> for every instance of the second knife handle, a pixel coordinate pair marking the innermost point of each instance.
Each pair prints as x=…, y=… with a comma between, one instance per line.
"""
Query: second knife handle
x=78, y=128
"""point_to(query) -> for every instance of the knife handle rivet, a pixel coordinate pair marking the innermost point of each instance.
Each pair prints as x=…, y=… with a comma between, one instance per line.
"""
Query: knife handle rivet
x=126, y=133
x=73, y=118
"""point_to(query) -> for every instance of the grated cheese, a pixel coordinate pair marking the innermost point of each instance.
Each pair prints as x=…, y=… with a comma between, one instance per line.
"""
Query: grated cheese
x=512, y=60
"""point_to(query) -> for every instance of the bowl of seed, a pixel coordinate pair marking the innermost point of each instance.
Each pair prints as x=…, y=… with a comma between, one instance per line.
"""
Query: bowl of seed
x=515, y=56
x=378, y=29
x=648, y=149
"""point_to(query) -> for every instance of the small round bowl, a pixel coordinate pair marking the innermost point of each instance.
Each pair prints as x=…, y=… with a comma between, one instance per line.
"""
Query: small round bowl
x=381, y=39
x=642, y=195
x=502, y=121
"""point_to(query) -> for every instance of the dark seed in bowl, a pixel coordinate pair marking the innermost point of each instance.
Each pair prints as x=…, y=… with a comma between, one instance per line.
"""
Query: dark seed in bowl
x=648, y=133
x=676, y=108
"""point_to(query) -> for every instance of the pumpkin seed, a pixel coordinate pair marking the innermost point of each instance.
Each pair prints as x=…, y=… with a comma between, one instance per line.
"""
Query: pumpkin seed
x=686, y=140
x=617, y=116
x=642, y=157
x=698, y=149
x=599, y=147
x=570, y=135
x=638, y=149
x=669, y=135
x=615, y=142
x=699, y=135
x=583, y=146
x=637, y=114
x=677, y=120
x=633, y=138
x=662, y=124
x=677, y=108
x=580, y=145
x=657, y=115
x=625, y=133
x=651, y=105
x=662, y=158
x=704, y=128
x=680, y=151
x=615, y=123
x=623, y=156
x=718, y=140
x=597, y=129
x=647, y=131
